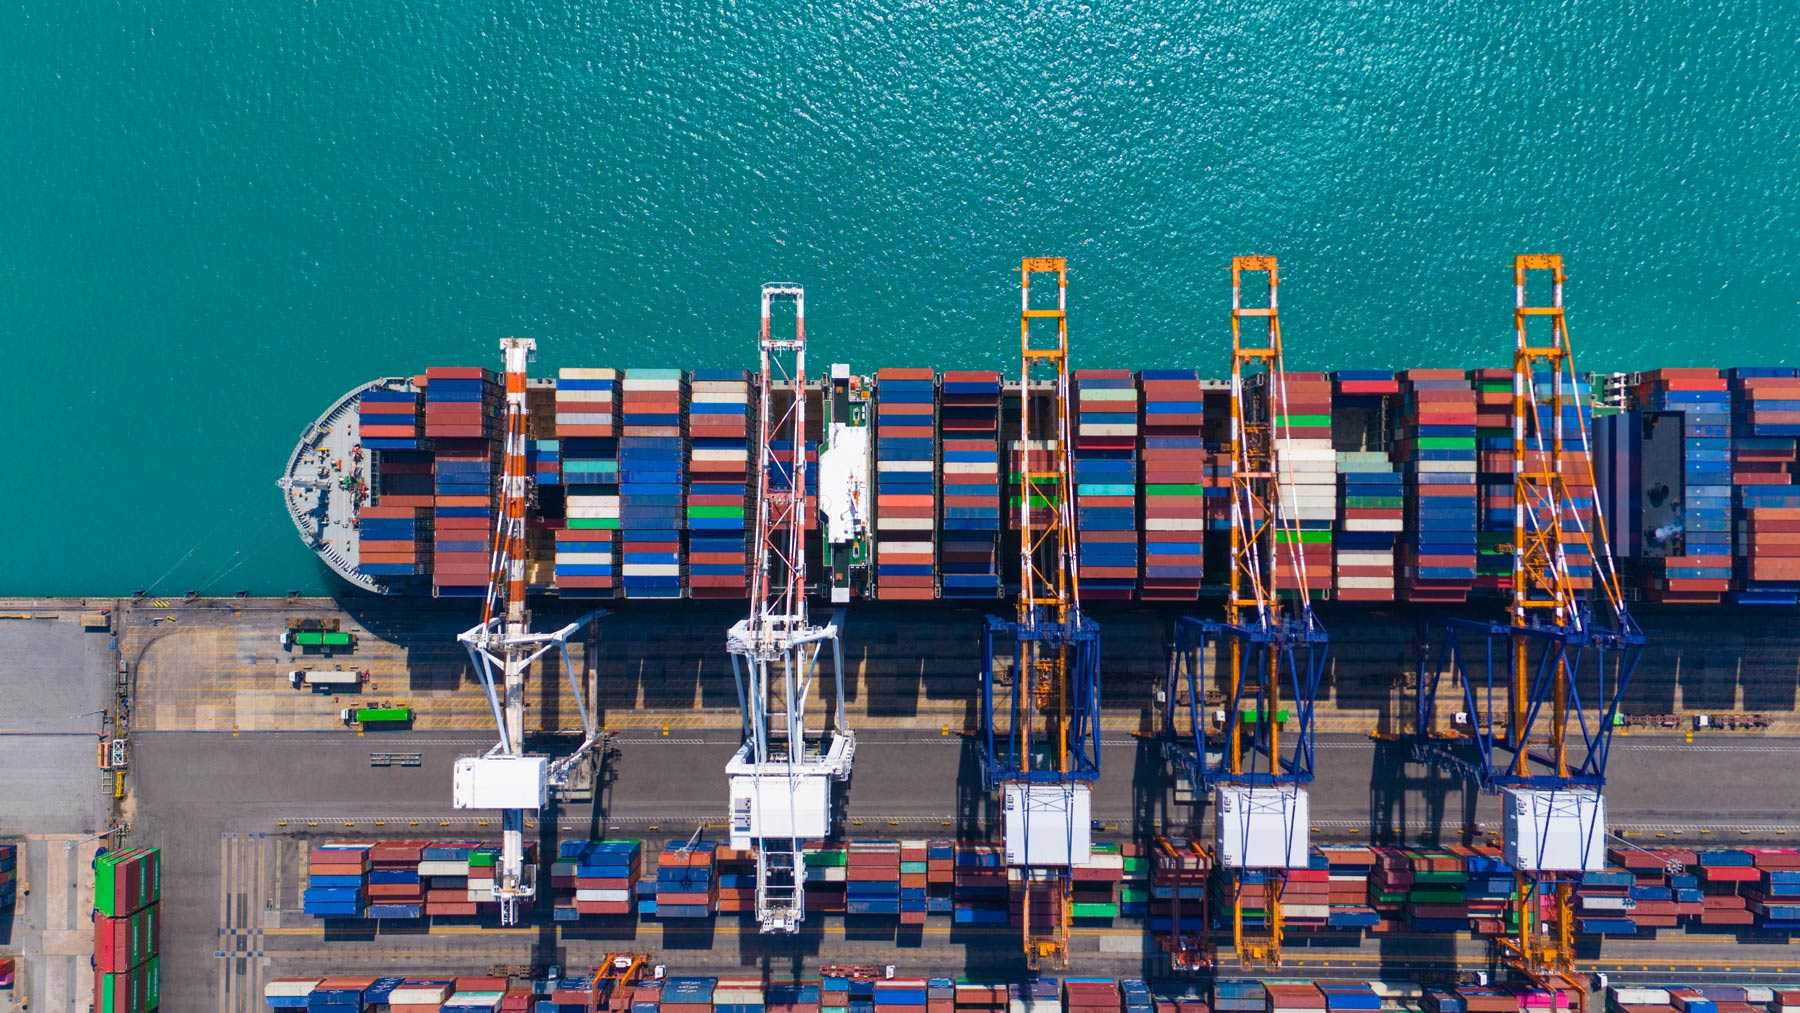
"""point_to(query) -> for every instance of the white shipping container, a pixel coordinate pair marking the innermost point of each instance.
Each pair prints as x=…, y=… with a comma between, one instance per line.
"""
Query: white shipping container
x=904, y=465
x=587, y=373
x=1174, y=523
x=1106, y=393
x=567, y=395
x=971, y=467
x=288, y=988
x=1365, y=583
x=1622, y=996
x=583, y=558
x=1261, y=827
x=904, y=523
x=443, y=867
x=1373, y=524
x=1555, y=831
x=612, y=895
x=652, y=569
x=1100, y=429
x=904, y=547
x=648, y=385
x=1047, y=825
x=584, y=418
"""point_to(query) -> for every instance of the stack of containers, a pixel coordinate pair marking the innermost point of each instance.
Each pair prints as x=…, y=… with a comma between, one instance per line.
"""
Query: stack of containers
x=1349, y=997
x=940, y=876
x=336, y=879
x=1348, y=871
x=1724, y=873
x=1699, y=569
x=739, y=995
x=396, y=890
x=915, y=871
x=1293, y=997
x=332, y=995
x=1306, y=895
x=980, y=885
x=1094, y=893
x=1775, y=897
x=650, y=482
x=905, y=484
x=1175, y=457
x=792, y=999
x=1371, y=503
x=1037, y=995
x=544, y=458
x=587, y=441
x=127, y=930
x=827, y=869
x=462, y=416
x=900, y=995
x=1604, y=905
x=1091, y=995
x=1437, y=447
x=873, y=880
x=974, y=997
x=1179, y=873
x=1134, y=883
x=1239, y=996
x=1044, y=893
x=735, y=871
x=388, y=420
x=969, y=425
x=9, y=875
x=1106, y=476
x=389, y=538
x=1487, y=888
x=403, y=478
x=688, y=995
x=718, y=517
x=595, y=878
x=1766, y=517
x=457, y=877
x=1493, y=478
x=1307, y=464
x=686, y=888
x=1137, y=996
x=1437, y=900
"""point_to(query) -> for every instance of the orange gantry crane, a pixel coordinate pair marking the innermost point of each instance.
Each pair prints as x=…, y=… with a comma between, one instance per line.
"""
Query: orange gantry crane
x=1040, y=686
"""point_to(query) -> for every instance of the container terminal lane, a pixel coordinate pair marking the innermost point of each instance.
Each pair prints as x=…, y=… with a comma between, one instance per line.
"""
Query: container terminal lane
x=233, y=786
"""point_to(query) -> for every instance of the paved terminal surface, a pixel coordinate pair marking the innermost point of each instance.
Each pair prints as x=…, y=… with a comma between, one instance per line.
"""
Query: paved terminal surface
x=56, y=682
x=233, y=771
x=228, y=810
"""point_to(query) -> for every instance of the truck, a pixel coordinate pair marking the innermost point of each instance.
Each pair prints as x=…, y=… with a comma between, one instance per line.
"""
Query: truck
x=321, y=680
x=324, y=640
x=379, y=715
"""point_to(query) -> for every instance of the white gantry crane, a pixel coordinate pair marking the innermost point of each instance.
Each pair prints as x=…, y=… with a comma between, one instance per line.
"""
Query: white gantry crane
x=783, y=777
x=502, y=649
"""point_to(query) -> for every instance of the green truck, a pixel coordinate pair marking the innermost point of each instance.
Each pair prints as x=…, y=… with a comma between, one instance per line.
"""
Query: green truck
x=379, y=716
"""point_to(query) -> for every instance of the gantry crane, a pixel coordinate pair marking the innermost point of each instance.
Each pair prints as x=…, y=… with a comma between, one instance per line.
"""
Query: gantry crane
x=1550, y=655
x=1272, y=649
x=613, y=989
x=502, y=649
x=1041, y=751
x=783, y=777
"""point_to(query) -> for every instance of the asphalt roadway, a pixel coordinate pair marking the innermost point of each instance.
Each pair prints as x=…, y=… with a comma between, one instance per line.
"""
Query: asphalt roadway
x=199, y=791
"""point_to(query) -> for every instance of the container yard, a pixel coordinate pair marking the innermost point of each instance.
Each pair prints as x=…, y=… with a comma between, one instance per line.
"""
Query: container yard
x=1081, y=690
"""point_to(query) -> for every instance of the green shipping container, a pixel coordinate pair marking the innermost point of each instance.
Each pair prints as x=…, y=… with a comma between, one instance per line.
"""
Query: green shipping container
x=1089, y=909
x=482, y=858
x=136, y=991
x=126, y=881
x=382, y=715
x=337, y=638
x=309, y=638
x=833, y=859
x=594, y=523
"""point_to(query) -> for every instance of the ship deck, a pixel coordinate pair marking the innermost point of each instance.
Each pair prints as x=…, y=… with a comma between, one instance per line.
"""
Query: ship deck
x=326, y=480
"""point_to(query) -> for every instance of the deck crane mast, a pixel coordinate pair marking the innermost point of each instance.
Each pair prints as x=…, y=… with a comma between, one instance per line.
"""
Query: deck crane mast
x=782, y=777
x=1042, y=757
x=1551, y=655
x=1267, y=646
x=502, y=649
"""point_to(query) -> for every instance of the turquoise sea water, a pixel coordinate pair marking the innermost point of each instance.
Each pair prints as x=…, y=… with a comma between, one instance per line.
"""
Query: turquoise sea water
x=218, y=217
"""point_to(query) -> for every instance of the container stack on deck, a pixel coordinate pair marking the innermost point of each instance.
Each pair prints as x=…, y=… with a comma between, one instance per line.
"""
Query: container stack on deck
x=127, y=930
x=1437, y=446
x=1308, y=467
x=1766, y=511
x=1106, y=477
x=388, y=420
x=1493, y=478
x=718, y=518
x=1174, y=521
x=905, y=484
x=389, y=538
x=1686, y=484
x=969, y=542
x=462, y=415
x=685, y=888
x=394, y=529
x=587, y=442
x=651, y=454
x=1372, y=501
x=337, y=878
x=980, y=886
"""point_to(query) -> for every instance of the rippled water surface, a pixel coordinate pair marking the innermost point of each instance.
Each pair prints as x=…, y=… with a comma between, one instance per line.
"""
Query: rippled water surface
x=218, y=217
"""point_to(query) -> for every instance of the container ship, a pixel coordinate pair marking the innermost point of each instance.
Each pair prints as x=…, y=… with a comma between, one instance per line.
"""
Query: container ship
x=642, y=482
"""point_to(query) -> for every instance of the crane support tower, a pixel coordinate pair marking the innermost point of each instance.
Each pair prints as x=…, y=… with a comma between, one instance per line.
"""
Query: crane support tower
x=1271, y=650
x=783, y=777
x=1541, y=691
x=502, y=650
x=1040, y=681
